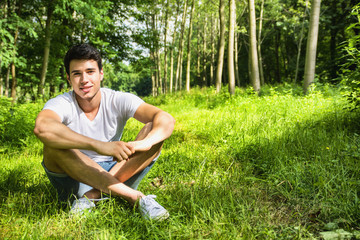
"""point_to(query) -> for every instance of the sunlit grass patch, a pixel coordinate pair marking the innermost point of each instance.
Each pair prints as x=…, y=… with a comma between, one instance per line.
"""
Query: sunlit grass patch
x=271, y=167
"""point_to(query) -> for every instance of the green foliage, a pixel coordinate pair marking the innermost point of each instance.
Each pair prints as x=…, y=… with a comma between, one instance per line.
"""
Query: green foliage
x=279, y=166
x=351, y=69
x=16, y=122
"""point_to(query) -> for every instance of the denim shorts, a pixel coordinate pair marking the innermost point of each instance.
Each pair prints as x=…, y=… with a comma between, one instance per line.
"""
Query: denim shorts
x=67, y=187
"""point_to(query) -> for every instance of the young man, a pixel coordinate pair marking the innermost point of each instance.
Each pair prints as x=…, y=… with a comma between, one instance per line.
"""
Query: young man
x=81, y=132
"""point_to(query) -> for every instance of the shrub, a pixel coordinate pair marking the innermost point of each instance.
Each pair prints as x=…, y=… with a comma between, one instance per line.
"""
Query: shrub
x=17, y=122
x=350, y=71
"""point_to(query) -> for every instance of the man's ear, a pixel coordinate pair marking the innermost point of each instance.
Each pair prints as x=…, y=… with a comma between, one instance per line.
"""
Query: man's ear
x=68, y=79
x=101, y=74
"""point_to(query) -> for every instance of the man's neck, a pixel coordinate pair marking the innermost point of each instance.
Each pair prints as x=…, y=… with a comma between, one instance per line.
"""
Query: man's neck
x=90, y=106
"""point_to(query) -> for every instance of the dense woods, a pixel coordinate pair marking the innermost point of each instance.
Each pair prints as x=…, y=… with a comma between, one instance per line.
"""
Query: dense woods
x=284, y=165
x=159, y=47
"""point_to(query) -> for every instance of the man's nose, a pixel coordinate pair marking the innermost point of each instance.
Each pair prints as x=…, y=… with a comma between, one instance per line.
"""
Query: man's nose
x=83, y=77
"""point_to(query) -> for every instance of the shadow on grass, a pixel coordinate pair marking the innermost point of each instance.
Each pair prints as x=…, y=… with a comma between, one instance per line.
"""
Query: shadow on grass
x=314, y=166
x=25, y=192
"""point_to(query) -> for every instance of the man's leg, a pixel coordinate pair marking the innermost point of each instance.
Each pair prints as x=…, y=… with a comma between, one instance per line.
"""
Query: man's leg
x=81, y=168
x=136, y=163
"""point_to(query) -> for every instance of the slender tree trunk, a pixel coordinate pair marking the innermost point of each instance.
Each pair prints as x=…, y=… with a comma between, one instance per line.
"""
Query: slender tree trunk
x=310, y=60
x=172, y=51
x=180, y=53
x=7, y=82
x=152, y=55
x=277, y=57
x=158, y=72
x=198, y=58
x=262, y=81
x=50, y=10
x=171, y=69
x=299, y=45
x=165, y=46
x=1, y=83
x=158, y=58
x=212, y=32
x=220, y=62
x=231, y=71
x=204, y=72
x=255, y=78
x=13, y=71
x=236, y=61
x=189, y=48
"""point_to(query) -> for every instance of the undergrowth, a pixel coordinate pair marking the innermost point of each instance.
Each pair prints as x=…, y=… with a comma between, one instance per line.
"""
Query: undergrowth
x=278, y=166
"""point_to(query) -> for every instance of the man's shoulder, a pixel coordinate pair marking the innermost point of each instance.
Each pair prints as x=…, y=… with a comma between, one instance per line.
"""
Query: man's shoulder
x=110, y=93
x=63, y=98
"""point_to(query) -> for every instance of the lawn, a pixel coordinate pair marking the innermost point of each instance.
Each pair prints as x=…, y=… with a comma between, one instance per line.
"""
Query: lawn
x=279, y=166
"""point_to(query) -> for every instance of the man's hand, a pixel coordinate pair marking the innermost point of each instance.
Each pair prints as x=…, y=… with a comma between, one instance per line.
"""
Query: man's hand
x=119, y=150
x=141, y=145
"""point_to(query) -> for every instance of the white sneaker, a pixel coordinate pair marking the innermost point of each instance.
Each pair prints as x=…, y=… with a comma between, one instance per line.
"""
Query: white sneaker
x=150, y=209
x=81, y=206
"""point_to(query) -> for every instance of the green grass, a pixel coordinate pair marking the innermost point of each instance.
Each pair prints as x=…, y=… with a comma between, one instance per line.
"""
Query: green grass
x=279, y=166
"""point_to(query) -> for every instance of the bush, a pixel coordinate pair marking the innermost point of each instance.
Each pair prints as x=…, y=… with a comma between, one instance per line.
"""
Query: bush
x=17, y=122
x=351, y=69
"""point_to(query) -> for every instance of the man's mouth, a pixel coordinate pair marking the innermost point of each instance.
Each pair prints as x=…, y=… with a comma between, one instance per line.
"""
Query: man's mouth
x=86, y=88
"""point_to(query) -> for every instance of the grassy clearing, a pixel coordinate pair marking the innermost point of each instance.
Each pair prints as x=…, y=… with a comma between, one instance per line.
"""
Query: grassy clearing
x=280, y=166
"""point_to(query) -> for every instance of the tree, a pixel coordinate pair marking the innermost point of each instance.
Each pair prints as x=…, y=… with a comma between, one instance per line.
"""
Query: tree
x=178, y=76
x=231, y=71
x=310, y=61
x=189, y=48
x=255, y=78
x=165, y=45
x=50, y=10
x=221, y=46
x=262, y=81
x=172, y=48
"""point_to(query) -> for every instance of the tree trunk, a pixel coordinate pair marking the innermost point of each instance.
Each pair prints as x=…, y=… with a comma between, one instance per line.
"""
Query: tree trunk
x=310, y=60
x=231, y=71
x=1, y=84
x=299, y=44
x=180, y=52
x=204, y=72
x=13, y=71
x=50, y=10
x=157, y=57
x=277, y=57
x=198, y=58
x=221, y=47
x=189, y=48
x=172, y=50
x=212, y=32
x=165, y=46
x=255, y=78
x=154, y=77
x=262, y=81
x=7, y=82
x=236, y=61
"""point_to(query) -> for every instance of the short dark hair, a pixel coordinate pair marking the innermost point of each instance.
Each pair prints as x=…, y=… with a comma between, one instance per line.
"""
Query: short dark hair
x=82, y=51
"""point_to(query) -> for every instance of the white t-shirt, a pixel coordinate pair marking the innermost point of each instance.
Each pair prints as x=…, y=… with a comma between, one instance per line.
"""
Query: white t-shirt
x=108, y=125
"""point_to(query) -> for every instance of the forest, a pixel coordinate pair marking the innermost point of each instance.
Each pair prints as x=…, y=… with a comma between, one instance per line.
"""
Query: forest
x=265, y=94
x=160, y=47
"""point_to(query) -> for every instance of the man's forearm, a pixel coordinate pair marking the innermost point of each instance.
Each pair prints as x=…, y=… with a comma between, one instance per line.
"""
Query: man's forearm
x=56, y=135
x=162, y=128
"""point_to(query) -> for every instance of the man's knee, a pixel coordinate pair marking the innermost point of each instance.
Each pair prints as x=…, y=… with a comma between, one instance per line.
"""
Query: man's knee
x=144, y=131
x=51, y=158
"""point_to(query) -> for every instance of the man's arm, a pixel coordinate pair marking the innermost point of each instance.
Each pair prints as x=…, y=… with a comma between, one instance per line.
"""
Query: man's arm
x=50, y=130
x=162, y=126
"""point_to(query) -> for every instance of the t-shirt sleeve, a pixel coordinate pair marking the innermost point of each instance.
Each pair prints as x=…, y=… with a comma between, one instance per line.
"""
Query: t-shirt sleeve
x=61, y=106
x=128, y=103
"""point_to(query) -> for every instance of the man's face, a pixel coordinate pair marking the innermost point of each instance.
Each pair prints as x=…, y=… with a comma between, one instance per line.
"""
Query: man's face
x=85, y=78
